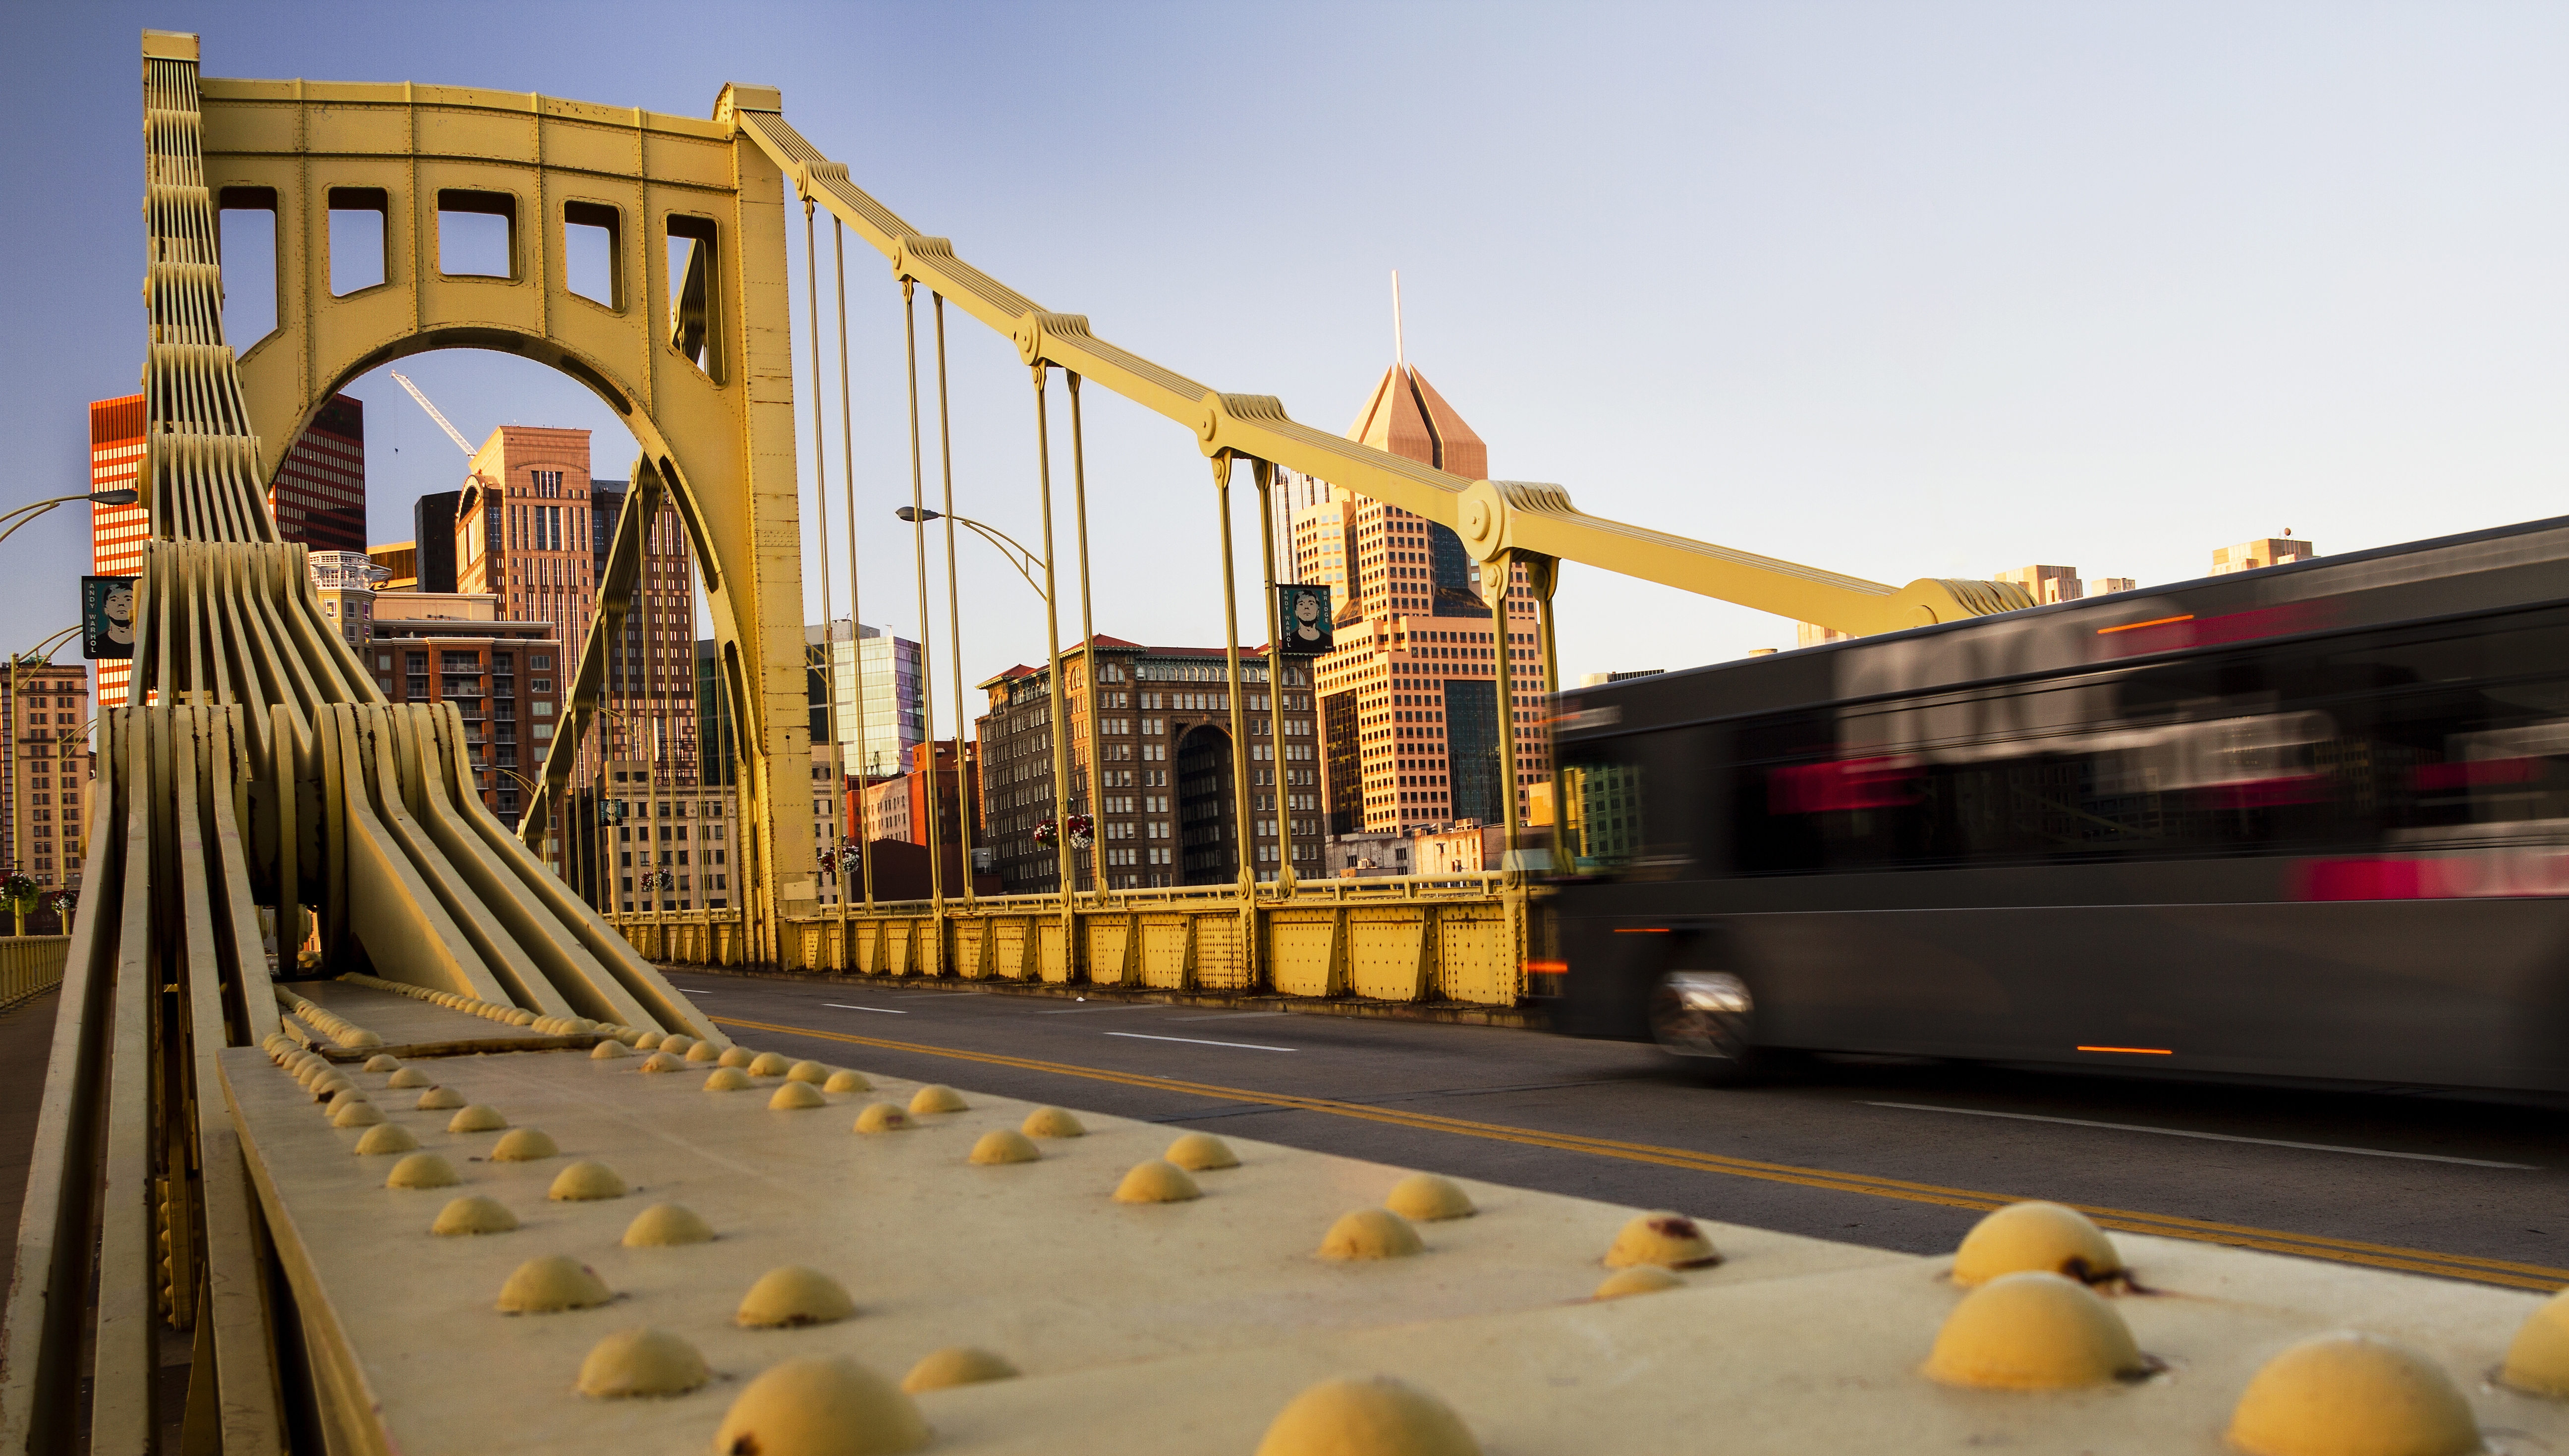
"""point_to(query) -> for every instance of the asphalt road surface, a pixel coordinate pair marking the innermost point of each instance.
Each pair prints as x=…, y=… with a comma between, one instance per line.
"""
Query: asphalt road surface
x=1900, y=1155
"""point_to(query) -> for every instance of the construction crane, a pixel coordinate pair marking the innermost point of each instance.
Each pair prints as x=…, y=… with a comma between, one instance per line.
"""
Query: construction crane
x=442, y=422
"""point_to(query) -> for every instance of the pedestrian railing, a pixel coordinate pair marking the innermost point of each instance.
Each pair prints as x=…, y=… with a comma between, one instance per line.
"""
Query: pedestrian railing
x=30, y=965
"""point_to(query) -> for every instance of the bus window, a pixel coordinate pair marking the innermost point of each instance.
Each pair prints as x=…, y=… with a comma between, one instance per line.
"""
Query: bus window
x=1605, y=830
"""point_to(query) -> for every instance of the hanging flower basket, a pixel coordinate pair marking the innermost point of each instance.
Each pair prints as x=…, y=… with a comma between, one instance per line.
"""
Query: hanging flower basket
x=1083, y=832
x=1046, y=833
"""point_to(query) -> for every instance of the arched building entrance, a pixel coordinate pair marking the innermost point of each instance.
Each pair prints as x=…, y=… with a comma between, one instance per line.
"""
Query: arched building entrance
x=1208, y=824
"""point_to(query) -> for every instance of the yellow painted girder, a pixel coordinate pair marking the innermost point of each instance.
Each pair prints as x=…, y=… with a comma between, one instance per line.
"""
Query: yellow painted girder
x=1492, y=517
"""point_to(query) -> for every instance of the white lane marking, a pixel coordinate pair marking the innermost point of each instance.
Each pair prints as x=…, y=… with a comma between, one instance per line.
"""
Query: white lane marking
x=1198, y=1041
x=878, y=1010
x=1229, y=1016
x=1084, y=1010
x=2170, y=1132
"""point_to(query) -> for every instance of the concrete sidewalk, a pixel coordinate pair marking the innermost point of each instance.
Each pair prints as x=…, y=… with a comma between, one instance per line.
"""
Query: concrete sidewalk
x=26, y=1045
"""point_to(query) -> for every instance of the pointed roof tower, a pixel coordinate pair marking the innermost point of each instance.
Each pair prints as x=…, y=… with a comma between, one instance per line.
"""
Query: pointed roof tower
x=1406, y=415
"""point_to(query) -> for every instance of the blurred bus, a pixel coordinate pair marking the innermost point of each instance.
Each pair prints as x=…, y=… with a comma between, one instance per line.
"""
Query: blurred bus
x=2310, y=820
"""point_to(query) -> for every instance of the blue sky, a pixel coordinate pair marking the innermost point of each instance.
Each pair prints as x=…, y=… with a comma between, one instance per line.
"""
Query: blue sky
x=1898, y=290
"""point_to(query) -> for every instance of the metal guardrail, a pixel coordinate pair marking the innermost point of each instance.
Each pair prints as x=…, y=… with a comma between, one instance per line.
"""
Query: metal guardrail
x=1455, y=937
x=31, y=966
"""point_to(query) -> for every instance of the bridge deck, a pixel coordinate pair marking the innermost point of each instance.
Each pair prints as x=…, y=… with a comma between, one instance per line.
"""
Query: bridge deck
x=1183, y=1326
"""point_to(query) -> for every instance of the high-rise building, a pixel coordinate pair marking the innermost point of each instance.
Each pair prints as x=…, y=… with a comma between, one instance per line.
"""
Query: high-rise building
x=2105, y=585
x=45, y=706
x=433, y=530
x=1166, y=804
x=2248, y=556
x=1410, y=700
x=346, y=582
x=2047, y=585
x=522, y=527
x=116, y=533
x=320, y=493
x=503, y=675
x=894, y=721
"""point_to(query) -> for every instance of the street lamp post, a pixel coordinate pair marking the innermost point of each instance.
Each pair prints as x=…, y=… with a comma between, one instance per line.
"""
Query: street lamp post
x=1027, y=564
x=34, y=508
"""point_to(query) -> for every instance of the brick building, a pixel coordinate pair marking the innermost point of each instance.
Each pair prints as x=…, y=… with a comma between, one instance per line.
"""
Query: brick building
x=1165, y=803
x=48, y=769
x=503, y=675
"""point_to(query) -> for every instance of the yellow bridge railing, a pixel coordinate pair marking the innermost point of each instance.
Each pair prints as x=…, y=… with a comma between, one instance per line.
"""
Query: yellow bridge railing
x=1454, y=938
x=30, y=965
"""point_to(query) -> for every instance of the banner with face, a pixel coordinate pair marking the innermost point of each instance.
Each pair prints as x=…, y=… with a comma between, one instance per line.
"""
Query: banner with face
x=107, y=617
x=1302, y=627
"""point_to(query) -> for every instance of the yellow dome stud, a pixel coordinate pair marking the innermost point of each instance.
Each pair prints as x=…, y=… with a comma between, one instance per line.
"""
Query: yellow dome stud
x=769, y=1064
x=1202, y=1153
x=2349, y=1394
x=422, y=1170
x=882, y=1117
x=661, y=1062
x=822, y=1406
x=473, y=1214
x=2537, y=1360
x=587, y=1181
x=961, y=1364
x=796, y=1096
x=2034, y=1331
x=409, y=1077
x=439, y=1099
x=385, y=1137
x=554, y=1283
x=1379, y=1417
x=737, y=1056
x=791, y=1295
x=356, y=1114
x=2052, y=1237
x=633, y=1362
x=524, y=1145
x=476, y=1119
x=843, y=1080
x=666, y=1225
x=705, y=1051
x=1424, y=1198
x=1370, y=1234
x=1670, y=1241
x=383, y=1062
x=1000, y=1144
x=727, y=1079
x=812, y=1072
x=1157, y=1182
x=937, y=1097
x=609, y=1050
x=1051, y=1122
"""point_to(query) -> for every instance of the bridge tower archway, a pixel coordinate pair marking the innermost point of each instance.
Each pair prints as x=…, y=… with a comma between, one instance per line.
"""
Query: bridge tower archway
x=679, y=324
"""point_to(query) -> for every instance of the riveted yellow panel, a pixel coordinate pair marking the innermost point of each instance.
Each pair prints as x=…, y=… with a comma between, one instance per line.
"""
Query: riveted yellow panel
x=898, y=946
x=1221, y=963
x=1008, y=947
x=1387, y=952
x=1054, y=965
x=1168, y=944
x=1306, y=946
x=1477, y=958
x=1110, y=948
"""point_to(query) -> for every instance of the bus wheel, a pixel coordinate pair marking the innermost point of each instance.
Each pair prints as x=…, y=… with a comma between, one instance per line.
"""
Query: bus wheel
x=1706, y=1016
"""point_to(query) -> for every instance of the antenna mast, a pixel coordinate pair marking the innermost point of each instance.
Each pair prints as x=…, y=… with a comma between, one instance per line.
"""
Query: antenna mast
x=1399, y=353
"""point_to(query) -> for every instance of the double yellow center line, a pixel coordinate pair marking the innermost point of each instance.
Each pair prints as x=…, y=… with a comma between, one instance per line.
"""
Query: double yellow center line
x=2166, y=1226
